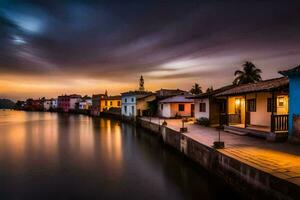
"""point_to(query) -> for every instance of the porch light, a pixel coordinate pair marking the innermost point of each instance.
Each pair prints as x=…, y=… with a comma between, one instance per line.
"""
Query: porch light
x=237, y=102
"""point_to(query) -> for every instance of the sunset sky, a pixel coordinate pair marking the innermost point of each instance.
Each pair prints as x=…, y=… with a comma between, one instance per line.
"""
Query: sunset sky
x=48, y=48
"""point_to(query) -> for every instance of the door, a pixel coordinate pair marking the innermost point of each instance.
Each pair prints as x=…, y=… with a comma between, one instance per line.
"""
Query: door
x=192, y=110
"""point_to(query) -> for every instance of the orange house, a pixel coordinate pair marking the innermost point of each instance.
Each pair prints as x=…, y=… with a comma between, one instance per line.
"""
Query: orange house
x=107, y=102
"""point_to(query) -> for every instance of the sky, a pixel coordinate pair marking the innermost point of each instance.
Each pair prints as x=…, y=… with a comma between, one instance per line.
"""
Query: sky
x=49, y=48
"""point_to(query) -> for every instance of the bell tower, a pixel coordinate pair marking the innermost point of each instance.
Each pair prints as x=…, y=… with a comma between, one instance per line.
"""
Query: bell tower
x=141, y=88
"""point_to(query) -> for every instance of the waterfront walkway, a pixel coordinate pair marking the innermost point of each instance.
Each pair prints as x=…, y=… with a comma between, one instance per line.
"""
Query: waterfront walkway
x=279, y=159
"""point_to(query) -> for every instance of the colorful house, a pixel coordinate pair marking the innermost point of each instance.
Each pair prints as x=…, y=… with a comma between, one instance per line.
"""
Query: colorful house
x=259, y=109
x=108, y=102
x=176, y=106
x=96, y=98
x=294, y=103
x=136, y=103
x=67, y=103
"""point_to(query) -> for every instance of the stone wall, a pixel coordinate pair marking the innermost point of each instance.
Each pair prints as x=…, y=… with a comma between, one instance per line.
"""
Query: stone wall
x=241, y=176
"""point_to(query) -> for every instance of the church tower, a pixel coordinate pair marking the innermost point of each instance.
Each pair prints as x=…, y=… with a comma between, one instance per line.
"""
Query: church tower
x=141, y=88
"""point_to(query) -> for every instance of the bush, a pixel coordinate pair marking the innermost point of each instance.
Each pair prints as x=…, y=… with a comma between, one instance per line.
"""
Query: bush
x=203, y=121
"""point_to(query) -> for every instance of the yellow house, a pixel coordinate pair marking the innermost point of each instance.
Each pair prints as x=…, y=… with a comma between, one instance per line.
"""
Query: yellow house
x=107, y=102
x=259, y=109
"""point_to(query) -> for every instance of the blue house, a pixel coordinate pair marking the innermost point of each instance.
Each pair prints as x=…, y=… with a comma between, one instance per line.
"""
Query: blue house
x=294, y=104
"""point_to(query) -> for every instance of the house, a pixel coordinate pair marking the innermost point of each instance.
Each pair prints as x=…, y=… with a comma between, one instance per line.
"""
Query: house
x=208, y=107
x=176, y=106
x=108, y=102
x=85, y=103
x=294, y=103
x=67, y=103
x=96, y=106
x=47, y=104
x=259, y=109
x=136, y=103
x=54, y=104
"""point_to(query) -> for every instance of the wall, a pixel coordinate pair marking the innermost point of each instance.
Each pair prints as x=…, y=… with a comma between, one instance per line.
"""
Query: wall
x=129, y=105
x=294, y=100
x=241, y=176
x=166, y=111
x=261, y=117
x=185, y=113
x=199, y=114
x=142, y=104
x=107, y=106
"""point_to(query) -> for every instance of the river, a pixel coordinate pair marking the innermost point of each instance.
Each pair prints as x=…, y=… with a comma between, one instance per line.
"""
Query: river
x=61, y=156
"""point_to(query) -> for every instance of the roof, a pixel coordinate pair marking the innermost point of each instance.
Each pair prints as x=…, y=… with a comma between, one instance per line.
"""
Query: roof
x=177, y=99
x=117, y=97
x=263, y=86
x=137, y=92
x=291, y=72
x=212, y=93
x=170, y=92
x=144, y=96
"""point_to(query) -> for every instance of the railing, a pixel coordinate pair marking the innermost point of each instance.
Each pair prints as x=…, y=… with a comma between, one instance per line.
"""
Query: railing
x=234, y=118
x=279, y=123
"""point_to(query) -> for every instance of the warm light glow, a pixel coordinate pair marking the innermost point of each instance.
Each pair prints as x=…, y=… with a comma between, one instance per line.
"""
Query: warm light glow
x=237, y=101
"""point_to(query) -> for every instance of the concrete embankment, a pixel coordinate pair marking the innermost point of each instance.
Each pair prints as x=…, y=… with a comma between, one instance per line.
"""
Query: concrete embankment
x=247, y=179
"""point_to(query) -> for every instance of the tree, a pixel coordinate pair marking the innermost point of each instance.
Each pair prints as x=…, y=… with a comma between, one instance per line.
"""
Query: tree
x=196, y=89
x=210, y=89
x=249, y=74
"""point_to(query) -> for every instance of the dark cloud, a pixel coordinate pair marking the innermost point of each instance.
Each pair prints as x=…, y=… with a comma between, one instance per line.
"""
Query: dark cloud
x=113, y=40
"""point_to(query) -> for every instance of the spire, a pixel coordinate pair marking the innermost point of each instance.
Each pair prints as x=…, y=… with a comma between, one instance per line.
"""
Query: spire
x=141, y=84
x=106, y=93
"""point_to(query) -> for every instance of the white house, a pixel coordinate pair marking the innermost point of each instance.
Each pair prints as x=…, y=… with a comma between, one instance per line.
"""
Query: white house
x=208, y=107
x=176, y=106
x=85, y=104
x=74, y=99
x=47, y=104
x=135, y=103
x=54, y=103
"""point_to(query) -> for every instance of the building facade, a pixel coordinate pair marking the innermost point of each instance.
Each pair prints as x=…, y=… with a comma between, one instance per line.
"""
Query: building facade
x=176, y=107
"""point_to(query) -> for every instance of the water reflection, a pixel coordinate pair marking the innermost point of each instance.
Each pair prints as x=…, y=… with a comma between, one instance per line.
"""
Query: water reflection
x=60, y=156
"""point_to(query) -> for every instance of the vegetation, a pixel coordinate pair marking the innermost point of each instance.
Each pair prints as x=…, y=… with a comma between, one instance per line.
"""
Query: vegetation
x=210, y=89
x=6, y=104
x=249, y=74
x=196, y=89
x=203, y=121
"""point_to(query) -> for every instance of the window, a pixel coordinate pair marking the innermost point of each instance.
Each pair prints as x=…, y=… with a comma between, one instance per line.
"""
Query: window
x=181, y=107
x=270, y=104
x=125, y=109
x=202, y=107
x=132, y=110
x=119, y=103
x=125, y=100
x=132, y=99
x=111, y=103
x=105, y=103
x=251, y=105
x=161, y=106
x=280, y=101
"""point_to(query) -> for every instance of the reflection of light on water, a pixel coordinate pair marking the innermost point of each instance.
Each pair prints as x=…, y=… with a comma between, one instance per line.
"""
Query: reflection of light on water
x=86, y=137
x=112, y=146
x=27, y=134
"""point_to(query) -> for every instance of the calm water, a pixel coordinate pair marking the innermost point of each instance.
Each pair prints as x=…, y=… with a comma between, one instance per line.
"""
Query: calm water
x=57, y=156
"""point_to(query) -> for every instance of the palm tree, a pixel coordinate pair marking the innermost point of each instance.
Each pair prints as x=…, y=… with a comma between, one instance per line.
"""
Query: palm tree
x=196, y=89
x=250, y=74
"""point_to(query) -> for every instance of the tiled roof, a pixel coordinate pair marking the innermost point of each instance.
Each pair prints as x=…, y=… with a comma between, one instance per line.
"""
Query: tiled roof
x=213, y=93
x=262, y=86
x=294, y=71
x=118, y=97
x=137, y=92
x=177, y=99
